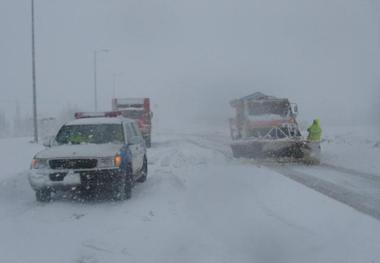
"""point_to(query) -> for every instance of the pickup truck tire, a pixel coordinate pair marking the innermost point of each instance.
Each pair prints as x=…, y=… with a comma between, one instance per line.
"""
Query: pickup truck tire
x=123, y=189
x=148, y=142
x=144, y=172
x=128, y=183
x=236, y=153
x=118, y=191
x=43, y=195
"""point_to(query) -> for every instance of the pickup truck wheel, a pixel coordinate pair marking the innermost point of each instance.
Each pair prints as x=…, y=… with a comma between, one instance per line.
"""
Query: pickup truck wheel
x=148, y=142
x=235, y=152
x=128, y=183
x=118, y=192
x=144, y=172
x=43, y=195
x=123, y=189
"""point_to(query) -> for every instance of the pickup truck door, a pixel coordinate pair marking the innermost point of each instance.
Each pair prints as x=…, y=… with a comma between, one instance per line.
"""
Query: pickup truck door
x=133, y=147
x=142, y=148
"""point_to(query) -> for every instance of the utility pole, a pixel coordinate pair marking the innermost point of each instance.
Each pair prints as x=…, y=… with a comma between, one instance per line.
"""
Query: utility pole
x=115, y=76
x=35, y=124
x=95, y=77
x=95, y=84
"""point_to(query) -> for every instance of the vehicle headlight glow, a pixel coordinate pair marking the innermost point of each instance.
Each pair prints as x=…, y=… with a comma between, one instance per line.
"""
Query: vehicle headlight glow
x=117, y=160
x=39, y=163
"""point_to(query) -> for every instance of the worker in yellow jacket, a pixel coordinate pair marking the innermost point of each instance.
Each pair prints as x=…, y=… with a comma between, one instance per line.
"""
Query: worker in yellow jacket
x=315, y=131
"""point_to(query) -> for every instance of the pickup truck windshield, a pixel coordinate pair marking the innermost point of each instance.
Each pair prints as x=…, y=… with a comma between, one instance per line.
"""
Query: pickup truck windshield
x=90, y=133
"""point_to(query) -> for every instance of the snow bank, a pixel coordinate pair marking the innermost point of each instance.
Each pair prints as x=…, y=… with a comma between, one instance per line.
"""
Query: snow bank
x=355, y=147
x=16, y=155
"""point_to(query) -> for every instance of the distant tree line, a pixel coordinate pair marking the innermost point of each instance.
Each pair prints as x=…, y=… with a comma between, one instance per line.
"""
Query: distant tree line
x=22, y=126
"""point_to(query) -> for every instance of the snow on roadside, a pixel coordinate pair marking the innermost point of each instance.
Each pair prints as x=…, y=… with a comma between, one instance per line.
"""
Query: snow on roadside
x=16, y=195
x=350, y=147
x=16, y=155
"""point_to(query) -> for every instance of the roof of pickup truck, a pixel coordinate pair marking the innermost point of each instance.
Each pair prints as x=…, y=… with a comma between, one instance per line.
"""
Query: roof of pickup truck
x=99, y=120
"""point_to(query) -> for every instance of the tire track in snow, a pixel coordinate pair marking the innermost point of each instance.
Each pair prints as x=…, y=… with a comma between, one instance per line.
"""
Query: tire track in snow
x=358, y=201
x=226, y=154
x=340, y=169
x=364, y=202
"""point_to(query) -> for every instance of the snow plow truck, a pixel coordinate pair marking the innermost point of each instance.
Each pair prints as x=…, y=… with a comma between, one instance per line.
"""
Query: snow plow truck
x=266, y=127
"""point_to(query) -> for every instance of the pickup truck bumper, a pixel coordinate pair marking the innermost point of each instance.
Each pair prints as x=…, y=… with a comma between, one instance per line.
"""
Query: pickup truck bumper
x=71, y=179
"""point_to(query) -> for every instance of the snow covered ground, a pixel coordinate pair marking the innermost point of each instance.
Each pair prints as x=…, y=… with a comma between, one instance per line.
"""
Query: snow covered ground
x=198, y=205
x=355, y=148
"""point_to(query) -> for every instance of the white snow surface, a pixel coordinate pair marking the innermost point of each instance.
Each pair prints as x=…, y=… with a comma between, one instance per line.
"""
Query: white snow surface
x=354, y=147
x=198, y=205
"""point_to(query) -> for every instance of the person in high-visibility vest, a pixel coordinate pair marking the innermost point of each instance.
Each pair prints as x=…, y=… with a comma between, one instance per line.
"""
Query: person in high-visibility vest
x=315, y=131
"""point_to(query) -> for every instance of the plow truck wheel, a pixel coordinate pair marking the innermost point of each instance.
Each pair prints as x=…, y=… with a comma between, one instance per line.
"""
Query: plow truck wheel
x=236, y=151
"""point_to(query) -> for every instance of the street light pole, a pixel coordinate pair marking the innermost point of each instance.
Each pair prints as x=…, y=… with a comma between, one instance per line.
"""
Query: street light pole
x=95, y=77
x=95, y=88
x=34, y=80
x=115, y=75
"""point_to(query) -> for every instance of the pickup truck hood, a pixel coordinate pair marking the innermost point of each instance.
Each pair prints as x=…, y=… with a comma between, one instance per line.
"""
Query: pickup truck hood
x=80, y=151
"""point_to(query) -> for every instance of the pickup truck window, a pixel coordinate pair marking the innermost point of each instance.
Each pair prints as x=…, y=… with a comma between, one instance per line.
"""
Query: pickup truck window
x=90, y=133
x=129, y=132
x=136, y=129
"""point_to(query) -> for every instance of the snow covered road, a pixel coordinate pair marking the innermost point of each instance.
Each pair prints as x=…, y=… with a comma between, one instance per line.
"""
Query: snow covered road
x=354, y=188
x=351, y=186
x=198, y=205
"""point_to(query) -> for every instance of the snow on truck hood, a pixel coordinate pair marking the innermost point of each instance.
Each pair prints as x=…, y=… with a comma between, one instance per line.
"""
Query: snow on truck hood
x=80, y=151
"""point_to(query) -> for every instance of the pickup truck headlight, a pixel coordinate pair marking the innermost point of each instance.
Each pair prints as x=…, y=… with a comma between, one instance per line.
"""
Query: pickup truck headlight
x=39, y=163
x=117, y=160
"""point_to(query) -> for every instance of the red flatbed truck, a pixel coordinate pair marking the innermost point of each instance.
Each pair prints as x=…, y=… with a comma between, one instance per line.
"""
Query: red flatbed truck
x=137, y=109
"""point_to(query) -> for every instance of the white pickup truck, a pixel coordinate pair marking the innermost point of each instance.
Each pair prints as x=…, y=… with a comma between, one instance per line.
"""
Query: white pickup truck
x=89, y=154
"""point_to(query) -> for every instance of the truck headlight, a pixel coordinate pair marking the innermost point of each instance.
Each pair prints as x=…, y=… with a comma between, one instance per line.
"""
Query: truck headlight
x=39, y=163
x=105, y=162
x=117, y=160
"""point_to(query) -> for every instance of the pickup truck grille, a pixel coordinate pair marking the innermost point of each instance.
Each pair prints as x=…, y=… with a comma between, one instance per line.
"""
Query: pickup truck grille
x=73, y=163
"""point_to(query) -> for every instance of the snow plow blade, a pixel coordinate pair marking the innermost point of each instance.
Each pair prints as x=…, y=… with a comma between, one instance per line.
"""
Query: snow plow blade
x=279, y=150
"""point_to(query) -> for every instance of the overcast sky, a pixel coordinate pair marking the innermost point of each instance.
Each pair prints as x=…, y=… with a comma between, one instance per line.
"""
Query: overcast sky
x=192, y=57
